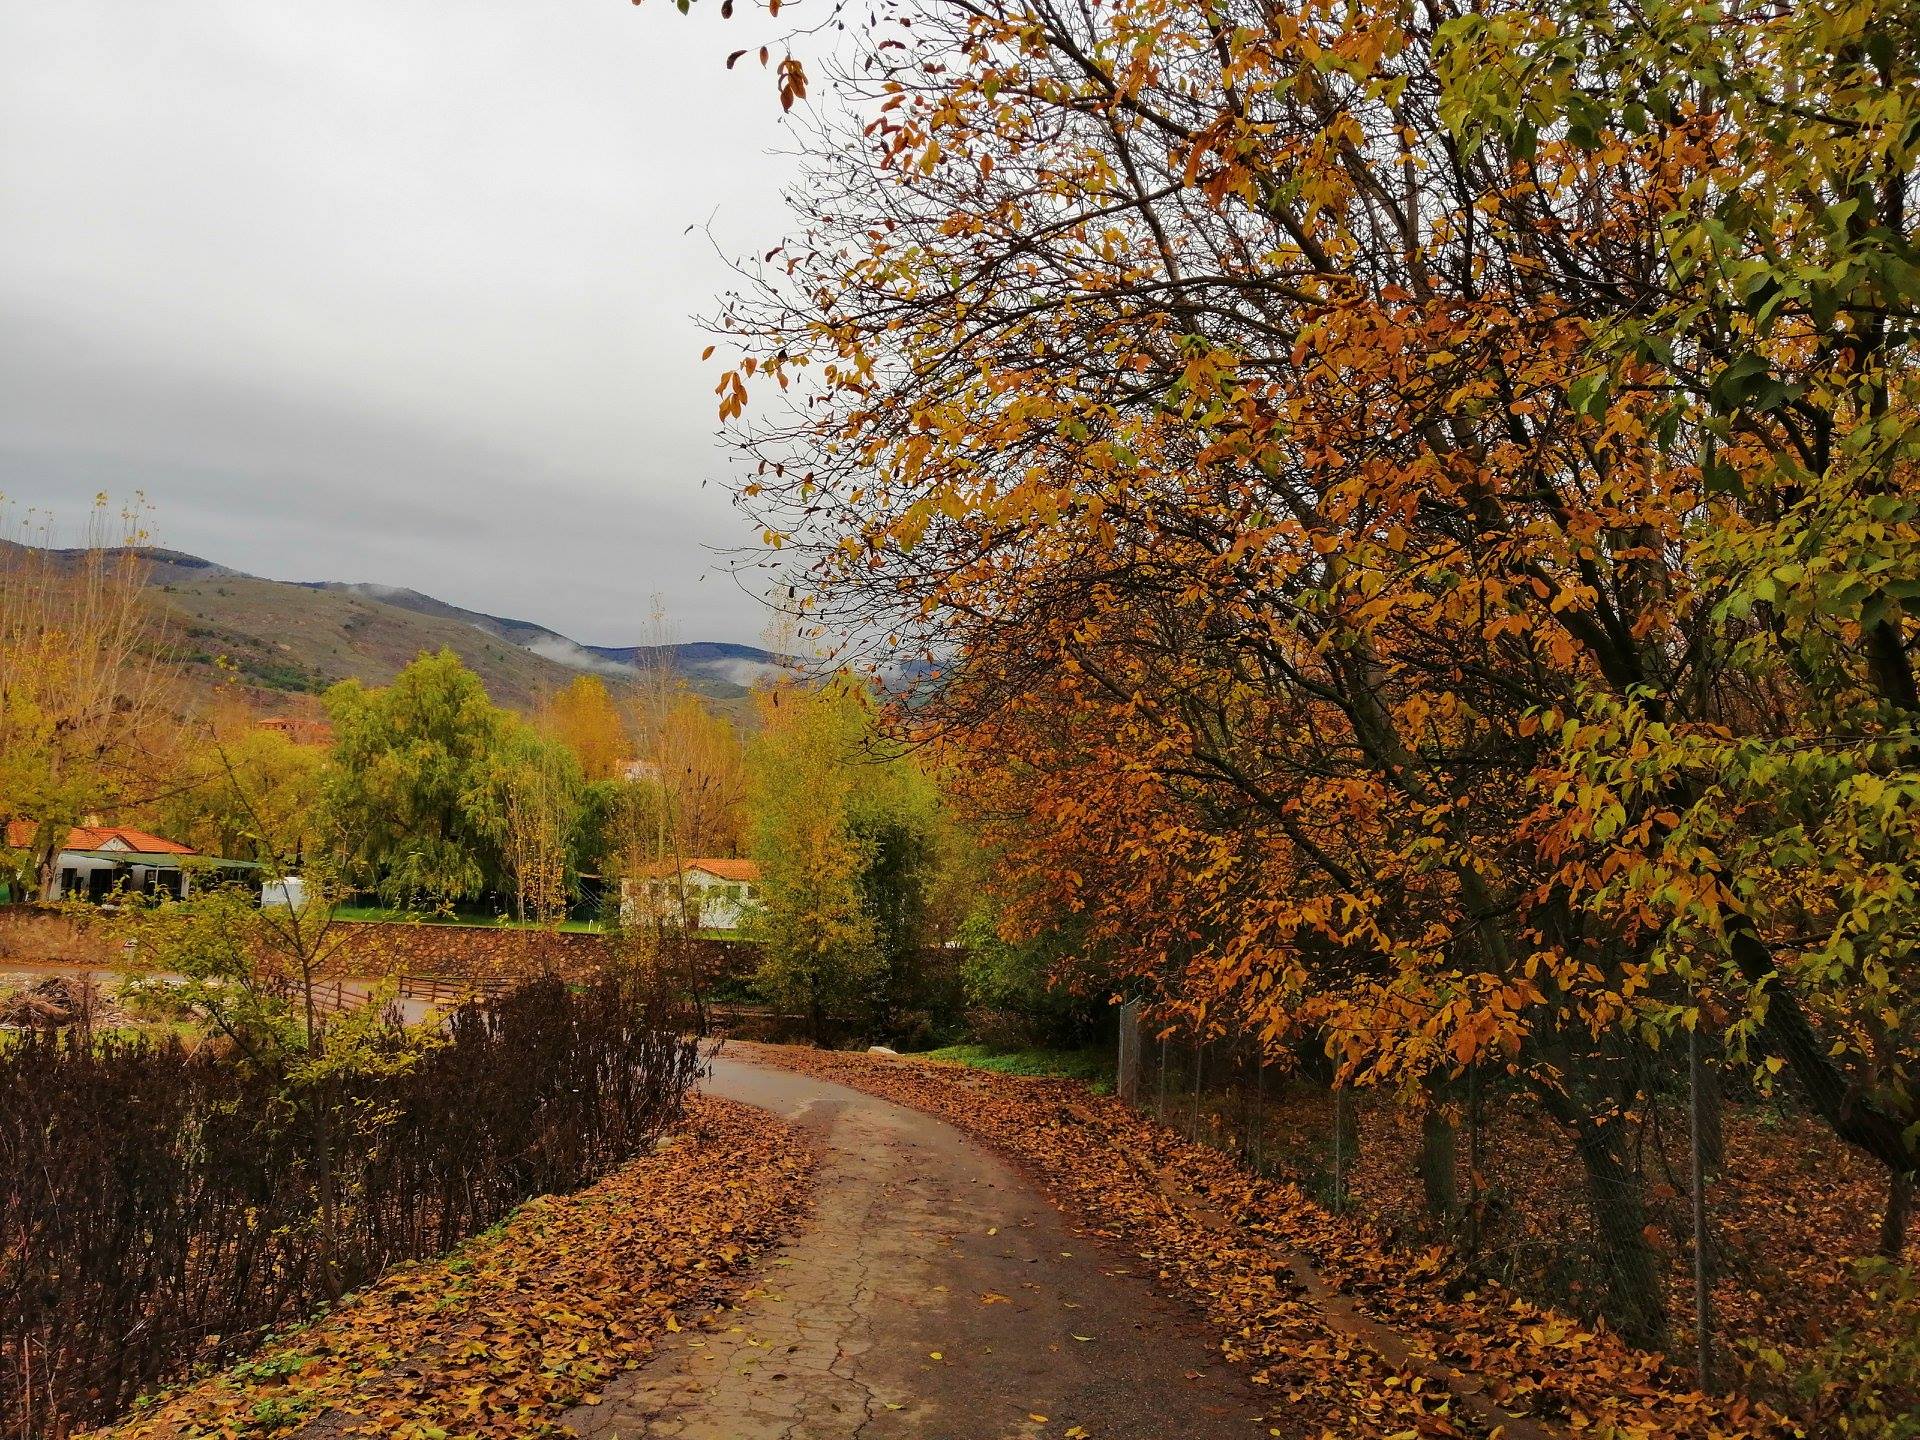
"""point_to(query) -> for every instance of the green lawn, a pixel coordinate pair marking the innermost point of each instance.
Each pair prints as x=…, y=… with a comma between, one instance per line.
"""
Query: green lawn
x=1094, y=1065
x=441, y=917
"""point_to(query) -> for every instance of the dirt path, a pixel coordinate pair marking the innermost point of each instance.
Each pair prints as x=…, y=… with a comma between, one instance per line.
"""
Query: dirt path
x=933, y=1293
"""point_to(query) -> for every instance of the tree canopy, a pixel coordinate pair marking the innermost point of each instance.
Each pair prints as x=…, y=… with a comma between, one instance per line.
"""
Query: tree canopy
x=408, y=786
x=845, y=828
x=1418, y=505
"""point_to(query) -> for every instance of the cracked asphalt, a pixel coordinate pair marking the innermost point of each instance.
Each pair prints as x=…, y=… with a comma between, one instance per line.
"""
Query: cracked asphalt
x=931, y=1292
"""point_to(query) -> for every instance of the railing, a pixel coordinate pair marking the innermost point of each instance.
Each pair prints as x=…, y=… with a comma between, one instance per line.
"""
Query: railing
x=333, y=997
x=439, y=991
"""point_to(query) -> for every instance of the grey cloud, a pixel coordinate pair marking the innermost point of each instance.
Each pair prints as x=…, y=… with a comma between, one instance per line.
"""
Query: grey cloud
x=392, y=292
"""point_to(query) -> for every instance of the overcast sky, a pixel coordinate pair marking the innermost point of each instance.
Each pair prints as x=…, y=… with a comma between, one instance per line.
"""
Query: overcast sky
x=386, y=290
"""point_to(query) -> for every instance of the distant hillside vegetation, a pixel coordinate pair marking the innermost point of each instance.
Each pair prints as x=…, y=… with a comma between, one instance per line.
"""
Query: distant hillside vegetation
x=284, y=639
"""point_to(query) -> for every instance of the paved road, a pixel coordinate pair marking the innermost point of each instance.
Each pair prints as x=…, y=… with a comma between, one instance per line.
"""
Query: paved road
x=932, y=1293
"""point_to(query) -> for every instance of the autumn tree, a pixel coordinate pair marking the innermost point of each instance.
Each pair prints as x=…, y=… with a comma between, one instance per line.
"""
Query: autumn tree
x=821, y=951
x=846, y=827
x=1762, y=824
x=583, y=717
x=535, y=813
x=1326, y=447
x=243, y=790
x=695, y=766
x=83, y=707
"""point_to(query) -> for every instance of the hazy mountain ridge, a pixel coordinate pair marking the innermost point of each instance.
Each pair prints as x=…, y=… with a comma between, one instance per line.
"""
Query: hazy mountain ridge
x=284, y=638
x=718, y=661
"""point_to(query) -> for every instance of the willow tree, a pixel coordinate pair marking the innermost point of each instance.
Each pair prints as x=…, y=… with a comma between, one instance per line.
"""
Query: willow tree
x=408, y=789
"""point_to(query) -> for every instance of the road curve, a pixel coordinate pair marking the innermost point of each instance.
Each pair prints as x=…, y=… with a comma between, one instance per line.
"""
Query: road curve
x=931, y=1293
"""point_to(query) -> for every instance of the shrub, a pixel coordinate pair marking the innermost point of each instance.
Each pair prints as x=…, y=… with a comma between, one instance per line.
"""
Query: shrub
x=161, y=1207
x=1864, y=1382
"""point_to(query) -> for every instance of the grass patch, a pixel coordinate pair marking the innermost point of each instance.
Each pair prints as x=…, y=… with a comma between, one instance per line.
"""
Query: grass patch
x=358, y=914
x=1093, y=1065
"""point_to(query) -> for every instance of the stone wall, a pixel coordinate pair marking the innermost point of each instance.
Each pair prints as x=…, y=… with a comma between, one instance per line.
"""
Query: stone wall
x=32, y=936
x=473, y=953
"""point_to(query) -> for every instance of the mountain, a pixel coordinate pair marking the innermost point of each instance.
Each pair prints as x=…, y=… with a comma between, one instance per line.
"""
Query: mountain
x=716, y=664
x=281, y=639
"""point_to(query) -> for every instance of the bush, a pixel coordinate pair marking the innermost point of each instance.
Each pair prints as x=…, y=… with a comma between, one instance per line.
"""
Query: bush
x=1864, y=1382
x=1017, y=993
x=161, y=1207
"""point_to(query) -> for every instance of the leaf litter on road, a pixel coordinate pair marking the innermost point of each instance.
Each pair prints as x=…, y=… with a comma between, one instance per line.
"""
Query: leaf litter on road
x=522, y=1322
x=1103, y=1161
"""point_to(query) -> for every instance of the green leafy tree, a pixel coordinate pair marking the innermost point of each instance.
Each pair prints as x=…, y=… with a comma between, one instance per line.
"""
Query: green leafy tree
x=1021, y=990
x=893, y=811
x=535, y=805
x=822, y=953
x=410, y=789
x=847, y=828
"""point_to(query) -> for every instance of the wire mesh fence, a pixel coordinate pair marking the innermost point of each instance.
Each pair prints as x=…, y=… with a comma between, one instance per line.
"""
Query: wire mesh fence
x=1694, y=1216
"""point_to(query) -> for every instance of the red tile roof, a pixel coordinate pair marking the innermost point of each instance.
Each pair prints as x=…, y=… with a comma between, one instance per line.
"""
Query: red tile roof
x=98, y=837
x=299, y=729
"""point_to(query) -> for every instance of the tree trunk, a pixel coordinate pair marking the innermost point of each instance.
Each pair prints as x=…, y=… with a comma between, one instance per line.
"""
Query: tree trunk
x=1710, y=1116
x=1346, y=1145
x=1620, y=1217
x=1439, y=1150
x=1893, y=1225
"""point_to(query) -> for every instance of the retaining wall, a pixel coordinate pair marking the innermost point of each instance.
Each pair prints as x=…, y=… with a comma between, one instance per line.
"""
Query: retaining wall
x=32, y=936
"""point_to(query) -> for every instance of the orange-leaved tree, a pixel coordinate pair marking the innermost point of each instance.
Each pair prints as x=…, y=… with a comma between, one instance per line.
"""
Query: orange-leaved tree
x=1313, y=439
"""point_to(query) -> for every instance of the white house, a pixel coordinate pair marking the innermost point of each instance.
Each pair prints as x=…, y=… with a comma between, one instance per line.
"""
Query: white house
x=98, y=860
x=712, y=894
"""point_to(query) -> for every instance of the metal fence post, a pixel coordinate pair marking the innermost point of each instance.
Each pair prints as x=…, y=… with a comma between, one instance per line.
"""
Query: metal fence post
x=1199, y=1069
x=1126, y=1079
x=1702, y=1293
x=1160, y=1109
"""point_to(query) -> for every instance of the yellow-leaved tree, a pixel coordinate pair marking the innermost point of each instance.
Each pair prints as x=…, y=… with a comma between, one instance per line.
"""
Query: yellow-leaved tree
x=83, y=703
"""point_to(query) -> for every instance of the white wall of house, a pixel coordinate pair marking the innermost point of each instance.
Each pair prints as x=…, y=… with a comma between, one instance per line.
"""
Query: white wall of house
x=73, y=876
x=716, y=903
